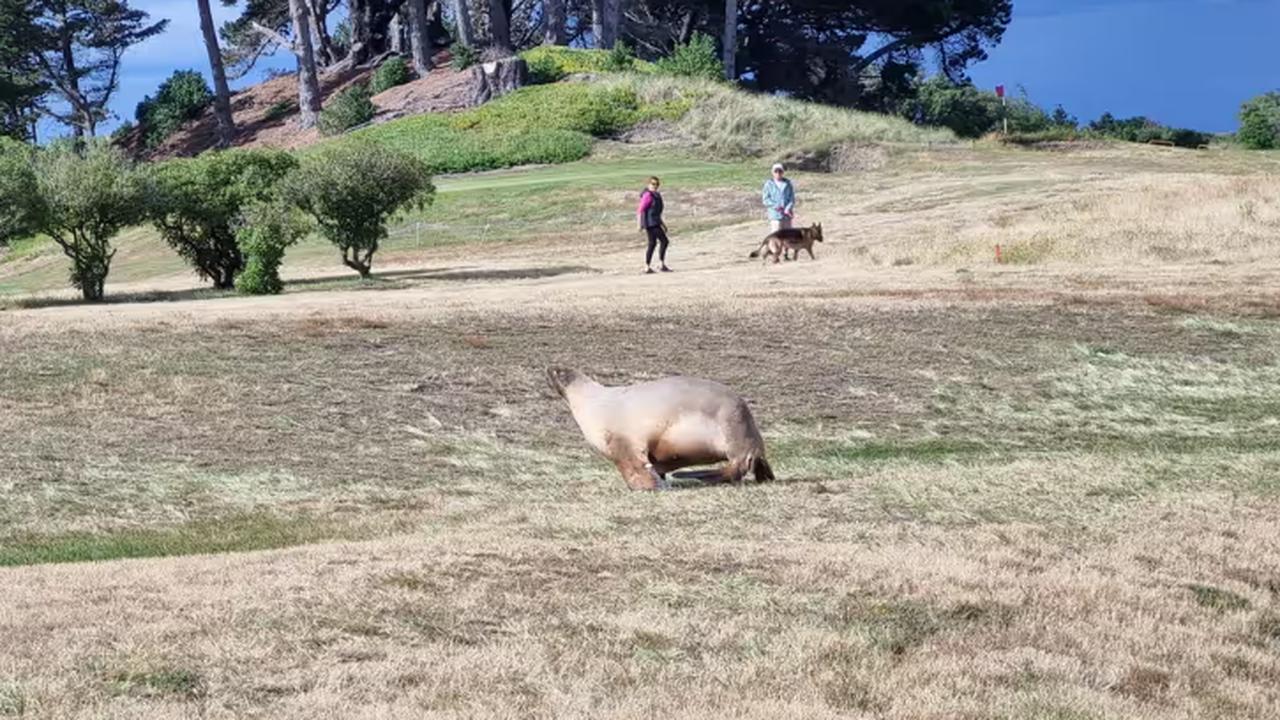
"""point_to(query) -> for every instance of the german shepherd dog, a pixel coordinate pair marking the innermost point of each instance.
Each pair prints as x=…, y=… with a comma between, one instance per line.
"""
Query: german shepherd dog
x=789, y=240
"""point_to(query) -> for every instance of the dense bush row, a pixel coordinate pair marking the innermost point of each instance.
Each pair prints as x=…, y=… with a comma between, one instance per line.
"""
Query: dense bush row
x=230, y=214
x=971, y=112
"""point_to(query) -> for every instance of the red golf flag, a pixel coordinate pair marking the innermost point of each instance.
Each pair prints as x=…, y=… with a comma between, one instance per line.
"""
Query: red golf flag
x=999, y=91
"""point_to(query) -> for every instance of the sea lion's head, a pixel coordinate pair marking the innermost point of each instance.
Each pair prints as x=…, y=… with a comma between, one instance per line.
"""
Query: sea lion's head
x=562, y=379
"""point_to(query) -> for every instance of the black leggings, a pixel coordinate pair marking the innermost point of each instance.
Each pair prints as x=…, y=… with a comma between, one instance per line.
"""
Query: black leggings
x=656, y=235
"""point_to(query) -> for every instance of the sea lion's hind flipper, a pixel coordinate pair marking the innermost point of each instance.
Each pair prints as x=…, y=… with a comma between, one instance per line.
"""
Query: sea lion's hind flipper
x=705, y=475
x=762, y=471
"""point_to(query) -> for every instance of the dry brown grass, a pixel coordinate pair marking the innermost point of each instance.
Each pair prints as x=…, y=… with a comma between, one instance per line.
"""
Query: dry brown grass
x=1020, y=492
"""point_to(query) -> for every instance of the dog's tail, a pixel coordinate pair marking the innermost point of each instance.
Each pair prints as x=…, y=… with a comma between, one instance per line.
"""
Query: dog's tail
x=756, y=253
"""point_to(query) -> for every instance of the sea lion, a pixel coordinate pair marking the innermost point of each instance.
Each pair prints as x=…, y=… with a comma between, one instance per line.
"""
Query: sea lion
x=652, y=428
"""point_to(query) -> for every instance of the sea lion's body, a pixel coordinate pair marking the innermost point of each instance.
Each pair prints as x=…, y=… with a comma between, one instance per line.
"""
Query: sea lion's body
x=653, y=428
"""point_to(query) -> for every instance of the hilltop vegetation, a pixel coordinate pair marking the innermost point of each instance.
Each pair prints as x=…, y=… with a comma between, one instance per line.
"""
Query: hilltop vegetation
x=559, y=122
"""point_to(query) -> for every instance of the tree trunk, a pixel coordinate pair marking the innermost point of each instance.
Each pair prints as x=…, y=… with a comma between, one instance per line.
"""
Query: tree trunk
x=93, y=289
x=352, y=258
x=686, y=28
x=357, y=17
x=554, y=31
x=395, y=34
x=462, y=17
x=221, y=93
x=308, y=83
x=497, y=78
x=500, y=24
x=731, y=40
x=606, y=18
x=597, y=22
x=73, y=88
x=420, y=35
x=323, y=42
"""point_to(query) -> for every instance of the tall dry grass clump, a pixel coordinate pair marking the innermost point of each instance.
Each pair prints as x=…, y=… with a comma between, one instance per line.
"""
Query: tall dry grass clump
x=733, y=123
x=1160, y=218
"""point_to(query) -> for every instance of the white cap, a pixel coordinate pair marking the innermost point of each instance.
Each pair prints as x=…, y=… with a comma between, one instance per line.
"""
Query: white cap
x=778, y=166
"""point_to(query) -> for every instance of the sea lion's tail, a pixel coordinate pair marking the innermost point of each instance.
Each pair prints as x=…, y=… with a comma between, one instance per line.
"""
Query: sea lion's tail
x=764, y=473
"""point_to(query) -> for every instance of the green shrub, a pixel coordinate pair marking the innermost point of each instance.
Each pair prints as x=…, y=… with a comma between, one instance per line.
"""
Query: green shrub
x=393, y=72
x=544, y=69
x=195, y=203
x=966, y=110
x=620, y=58
x=179, y=99
x=970, y=112
x=1186, y=138
x=1053, y=134
x=351, y=189
x=464, y=56
x=696, y=59
x=264, y=232
x=1144, y=130
x=569, y=61
x=1260, y=122
x=87, y=194
x=585, y=108
x=347, y=109
x=19, y=204
x=280, y=111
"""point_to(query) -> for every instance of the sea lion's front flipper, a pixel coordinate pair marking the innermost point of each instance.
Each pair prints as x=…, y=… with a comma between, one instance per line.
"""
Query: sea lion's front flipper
x=634, y=465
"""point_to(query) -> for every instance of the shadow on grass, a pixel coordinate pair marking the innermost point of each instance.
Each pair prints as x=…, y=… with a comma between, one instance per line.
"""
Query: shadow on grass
x=148, y=296
x=239, y=533
x=389, y=280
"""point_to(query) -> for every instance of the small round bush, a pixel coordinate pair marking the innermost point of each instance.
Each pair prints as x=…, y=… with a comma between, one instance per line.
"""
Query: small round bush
x=88, y=192
x=1260, y=122
x=179, y=99
x=265, y=231
x=544, y=69
x=393, y=72
x=347, y=109
x=621, y=58
x=352, y=188
x=697, y=59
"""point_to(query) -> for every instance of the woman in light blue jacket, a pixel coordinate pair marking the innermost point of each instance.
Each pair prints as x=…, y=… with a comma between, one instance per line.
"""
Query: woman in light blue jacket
x=779, y=199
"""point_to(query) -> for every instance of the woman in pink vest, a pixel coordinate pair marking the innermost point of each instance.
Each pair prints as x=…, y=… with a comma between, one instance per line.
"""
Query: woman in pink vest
x=650, y=216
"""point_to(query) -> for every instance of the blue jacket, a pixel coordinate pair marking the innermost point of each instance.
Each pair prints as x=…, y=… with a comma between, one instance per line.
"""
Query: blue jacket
x=775, y=198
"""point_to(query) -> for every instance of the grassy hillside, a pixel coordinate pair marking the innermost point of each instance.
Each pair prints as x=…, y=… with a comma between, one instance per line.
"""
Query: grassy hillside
x=559, y=123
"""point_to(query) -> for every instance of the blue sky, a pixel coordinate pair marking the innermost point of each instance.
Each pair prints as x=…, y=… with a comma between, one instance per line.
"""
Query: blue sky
x=1183, y=62
x=1188, y=63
